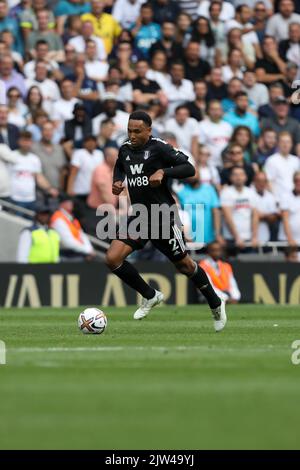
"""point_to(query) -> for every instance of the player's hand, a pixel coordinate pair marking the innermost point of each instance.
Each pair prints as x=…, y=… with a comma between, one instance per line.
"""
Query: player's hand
x=156, y=179
x=117, y=187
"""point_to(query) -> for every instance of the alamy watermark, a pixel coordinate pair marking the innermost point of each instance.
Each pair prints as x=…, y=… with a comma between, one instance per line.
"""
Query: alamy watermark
x=295, y=357
x=141, y=222
x=2, y=353
x=295, y=97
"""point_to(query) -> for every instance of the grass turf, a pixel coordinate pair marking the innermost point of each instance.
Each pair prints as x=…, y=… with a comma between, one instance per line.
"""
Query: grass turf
x=168, y=382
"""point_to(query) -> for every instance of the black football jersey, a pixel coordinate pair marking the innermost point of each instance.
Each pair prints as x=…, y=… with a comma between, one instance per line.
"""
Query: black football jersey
x=139, y=164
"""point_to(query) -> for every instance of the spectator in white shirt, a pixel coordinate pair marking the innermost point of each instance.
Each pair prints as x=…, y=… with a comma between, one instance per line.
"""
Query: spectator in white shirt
x=234, y=66
x=242, y=21
x=278, y=24
x=281, y=166
x=240, y=214
x=26, y=174
x=227, y=11
x=126, y=12
x=94, y=68
x=208, y=172
x=2, y=92
x=290, y=211
x=41, y=53
x=214, y=132
x=87, y=32
x=63, y=108
x=6, y=157
x=48, y=87
x=266, y=206
x=177, y=89
x=83, y=163
x=111, y=111
x=257, y=92
x=185, y=128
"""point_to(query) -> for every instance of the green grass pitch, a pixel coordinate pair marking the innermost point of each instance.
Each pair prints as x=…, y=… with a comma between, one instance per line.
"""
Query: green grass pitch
x=167, y=382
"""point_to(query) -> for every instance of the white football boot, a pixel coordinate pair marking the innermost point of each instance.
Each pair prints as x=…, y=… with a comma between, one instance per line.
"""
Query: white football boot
x=147, y=305
x=219, y=316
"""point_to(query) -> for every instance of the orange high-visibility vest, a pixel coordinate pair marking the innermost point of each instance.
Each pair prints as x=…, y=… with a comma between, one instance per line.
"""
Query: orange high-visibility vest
x=221, y=279
x=74, y=225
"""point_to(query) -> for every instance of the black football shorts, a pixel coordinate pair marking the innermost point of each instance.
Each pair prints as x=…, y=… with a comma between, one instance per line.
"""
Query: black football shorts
x=173, y=247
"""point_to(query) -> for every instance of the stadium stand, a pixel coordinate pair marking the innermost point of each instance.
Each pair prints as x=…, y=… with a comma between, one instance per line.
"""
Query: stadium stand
x=221, y=76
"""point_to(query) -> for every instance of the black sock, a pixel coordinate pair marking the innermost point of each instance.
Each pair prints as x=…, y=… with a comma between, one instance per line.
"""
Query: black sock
x=201, y=281
x=130, y=276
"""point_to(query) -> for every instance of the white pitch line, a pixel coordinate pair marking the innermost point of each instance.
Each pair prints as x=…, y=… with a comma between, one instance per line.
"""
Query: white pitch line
x=133, y=348
x=107, y=348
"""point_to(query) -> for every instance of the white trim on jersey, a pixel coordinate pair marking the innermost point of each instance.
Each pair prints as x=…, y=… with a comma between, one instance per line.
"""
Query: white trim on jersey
x=178, y=237
x=159, y=140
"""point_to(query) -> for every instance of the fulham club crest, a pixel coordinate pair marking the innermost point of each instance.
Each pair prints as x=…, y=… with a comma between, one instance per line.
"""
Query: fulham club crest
x=146, y=154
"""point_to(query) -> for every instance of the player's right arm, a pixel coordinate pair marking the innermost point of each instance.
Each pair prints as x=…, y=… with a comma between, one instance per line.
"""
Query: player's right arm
x=118, y=178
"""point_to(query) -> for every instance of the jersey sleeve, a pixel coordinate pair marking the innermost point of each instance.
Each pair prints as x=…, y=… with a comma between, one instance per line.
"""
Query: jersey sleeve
x=172, y=156
x=119, y=173
x=177, y=163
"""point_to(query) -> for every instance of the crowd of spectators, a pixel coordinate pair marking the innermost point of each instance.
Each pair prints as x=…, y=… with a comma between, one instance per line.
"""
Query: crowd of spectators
x=219, y=79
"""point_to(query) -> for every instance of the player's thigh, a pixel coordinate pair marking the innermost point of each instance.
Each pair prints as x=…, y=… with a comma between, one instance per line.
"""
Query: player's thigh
x=173, y=247
x=117, y=253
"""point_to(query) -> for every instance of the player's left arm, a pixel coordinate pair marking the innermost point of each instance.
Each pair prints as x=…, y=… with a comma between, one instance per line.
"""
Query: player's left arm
x=176, y=165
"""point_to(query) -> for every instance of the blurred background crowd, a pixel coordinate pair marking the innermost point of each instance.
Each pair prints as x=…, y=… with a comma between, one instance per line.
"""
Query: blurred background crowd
x=219, y=79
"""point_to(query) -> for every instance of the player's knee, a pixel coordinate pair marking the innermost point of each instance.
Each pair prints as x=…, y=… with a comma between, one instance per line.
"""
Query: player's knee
x=112, y=260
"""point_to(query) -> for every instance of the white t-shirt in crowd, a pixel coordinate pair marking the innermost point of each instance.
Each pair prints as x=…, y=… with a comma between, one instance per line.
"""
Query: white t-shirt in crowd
x=79, y=45
x=280, y=172
x=120, y=120
x=209, y=175
x=86, y=162
x=216, y=137
x=184, y=133
x=23, y=173
x=2, y=92
x=126, y=12
x=227, y=74
x=258, y=94
x=7, y=158
x=278, y=26
x=227, y=11
x=96, y=70
x=266, y=204
x=242, y=204
x=178, y=94
x=159, y=77
x=249, y=37
x=48, y=88
x=63, y=110
x=29, y=68
x=291, y=202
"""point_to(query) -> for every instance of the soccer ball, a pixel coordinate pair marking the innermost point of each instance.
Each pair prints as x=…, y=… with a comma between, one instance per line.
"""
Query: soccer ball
x=92, y=321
